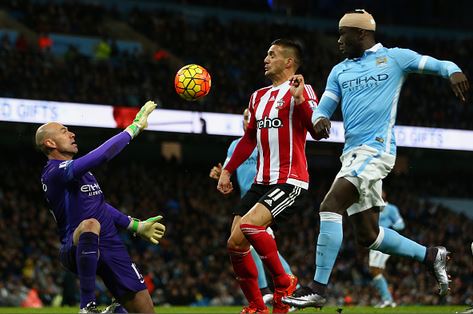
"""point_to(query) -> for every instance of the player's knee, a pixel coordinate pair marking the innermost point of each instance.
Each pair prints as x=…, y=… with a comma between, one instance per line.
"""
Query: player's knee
x=90, y=225
x=375, y=271
x=232, y=244
x=366, y=238
x=246, y=220
x=330, y=204
x=235, y=243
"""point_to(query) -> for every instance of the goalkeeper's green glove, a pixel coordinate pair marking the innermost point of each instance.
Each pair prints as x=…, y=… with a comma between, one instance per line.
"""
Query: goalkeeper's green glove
x=141, y=120
x=150, y=229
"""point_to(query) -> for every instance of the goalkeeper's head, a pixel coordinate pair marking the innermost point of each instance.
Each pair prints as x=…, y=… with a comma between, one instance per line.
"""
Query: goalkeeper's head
x=56, y=141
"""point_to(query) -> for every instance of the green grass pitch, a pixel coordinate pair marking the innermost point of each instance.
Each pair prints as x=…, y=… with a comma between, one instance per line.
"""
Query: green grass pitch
x=235, y=310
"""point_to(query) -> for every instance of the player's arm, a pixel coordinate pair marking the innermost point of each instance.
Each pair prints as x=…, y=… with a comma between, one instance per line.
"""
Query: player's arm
x=306, y=109
x=326, y=107
x=119, y=219
x=242, y=151
x=305, y=100
x=113, y=146
x=396, y=218
x=411, y=61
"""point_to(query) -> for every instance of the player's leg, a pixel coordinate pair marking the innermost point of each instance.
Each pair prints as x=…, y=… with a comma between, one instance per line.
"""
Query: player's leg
x=137, y=302
x=341, y=195
x=262, y=281
x=239, y=250
x=377, y=264
x=284, y=263
x=124, y=280
x=389, y=241
x=253, y=225
x=277, y=203
x=86, y=239
x=245, y=268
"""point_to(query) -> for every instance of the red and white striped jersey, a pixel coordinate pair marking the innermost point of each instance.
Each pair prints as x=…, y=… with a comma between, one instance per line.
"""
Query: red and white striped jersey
x=281, y=130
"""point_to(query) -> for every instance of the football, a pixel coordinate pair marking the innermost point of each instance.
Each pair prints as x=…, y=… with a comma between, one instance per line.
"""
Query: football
x=192, y=82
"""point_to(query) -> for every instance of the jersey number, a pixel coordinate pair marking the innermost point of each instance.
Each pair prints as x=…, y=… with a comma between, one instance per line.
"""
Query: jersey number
x=353, y=157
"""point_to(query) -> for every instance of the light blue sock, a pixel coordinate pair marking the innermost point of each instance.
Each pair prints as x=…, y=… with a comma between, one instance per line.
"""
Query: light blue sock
x=328, y=244
x=392, y=243
x=381, y=285
x=262, y=282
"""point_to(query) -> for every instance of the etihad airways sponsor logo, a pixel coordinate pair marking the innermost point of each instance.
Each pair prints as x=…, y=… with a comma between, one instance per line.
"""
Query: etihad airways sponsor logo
x=91, y=189
x=364, y=82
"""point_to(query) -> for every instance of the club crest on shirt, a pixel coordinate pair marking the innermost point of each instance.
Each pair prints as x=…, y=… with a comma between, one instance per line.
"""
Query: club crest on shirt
x=64, y=164
x=279, y=104
x=381, y=61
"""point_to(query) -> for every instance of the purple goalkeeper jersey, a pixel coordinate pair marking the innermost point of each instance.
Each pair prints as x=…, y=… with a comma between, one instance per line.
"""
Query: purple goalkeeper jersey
x=74, y=194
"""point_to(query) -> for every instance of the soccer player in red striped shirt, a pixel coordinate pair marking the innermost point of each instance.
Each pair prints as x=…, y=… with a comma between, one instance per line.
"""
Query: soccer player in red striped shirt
x=280, y=117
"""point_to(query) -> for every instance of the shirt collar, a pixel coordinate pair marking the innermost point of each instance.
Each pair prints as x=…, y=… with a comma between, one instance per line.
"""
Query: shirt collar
x=374, y=48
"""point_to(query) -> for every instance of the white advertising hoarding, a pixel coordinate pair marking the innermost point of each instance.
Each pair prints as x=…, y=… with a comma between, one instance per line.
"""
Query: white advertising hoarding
x=39, y=111
x=180, y=121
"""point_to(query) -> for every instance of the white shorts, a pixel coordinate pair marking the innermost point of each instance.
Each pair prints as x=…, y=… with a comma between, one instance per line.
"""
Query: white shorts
x=378, y=259
x=365, y=168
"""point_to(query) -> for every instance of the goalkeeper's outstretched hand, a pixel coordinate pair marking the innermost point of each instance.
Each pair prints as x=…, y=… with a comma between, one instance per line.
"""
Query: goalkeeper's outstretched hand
x=141, y=120
x=150, y=229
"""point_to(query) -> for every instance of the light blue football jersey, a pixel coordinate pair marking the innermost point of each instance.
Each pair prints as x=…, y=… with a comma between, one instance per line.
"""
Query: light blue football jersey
x=246, y=172
x=368, y=88
x=390, y=217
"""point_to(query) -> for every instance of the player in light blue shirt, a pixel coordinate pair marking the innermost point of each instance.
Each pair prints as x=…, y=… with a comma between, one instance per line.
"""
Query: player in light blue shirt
x=389, y=217
x=246, y=173
x=367, y=84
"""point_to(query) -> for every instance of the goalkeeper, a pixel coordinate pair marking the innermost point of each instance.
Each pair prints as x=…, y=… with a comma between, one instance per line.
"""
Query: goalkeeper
x=87, y=225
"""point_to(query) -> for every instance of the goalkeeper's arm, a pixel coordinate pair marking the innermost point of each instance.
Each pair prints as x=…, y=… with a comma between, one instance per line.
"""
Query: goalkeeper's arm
x=113, y=146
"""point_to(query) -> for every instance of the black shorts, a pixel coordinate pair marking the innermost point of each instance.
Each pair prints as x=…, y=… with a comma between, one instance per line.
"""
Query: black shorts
x=282, y=200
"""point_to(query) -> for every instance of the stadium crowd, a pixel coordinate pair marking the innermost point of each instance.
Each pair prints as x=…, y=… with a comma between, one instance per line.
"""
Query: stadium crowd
x=231, y=50
x=191, y=265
